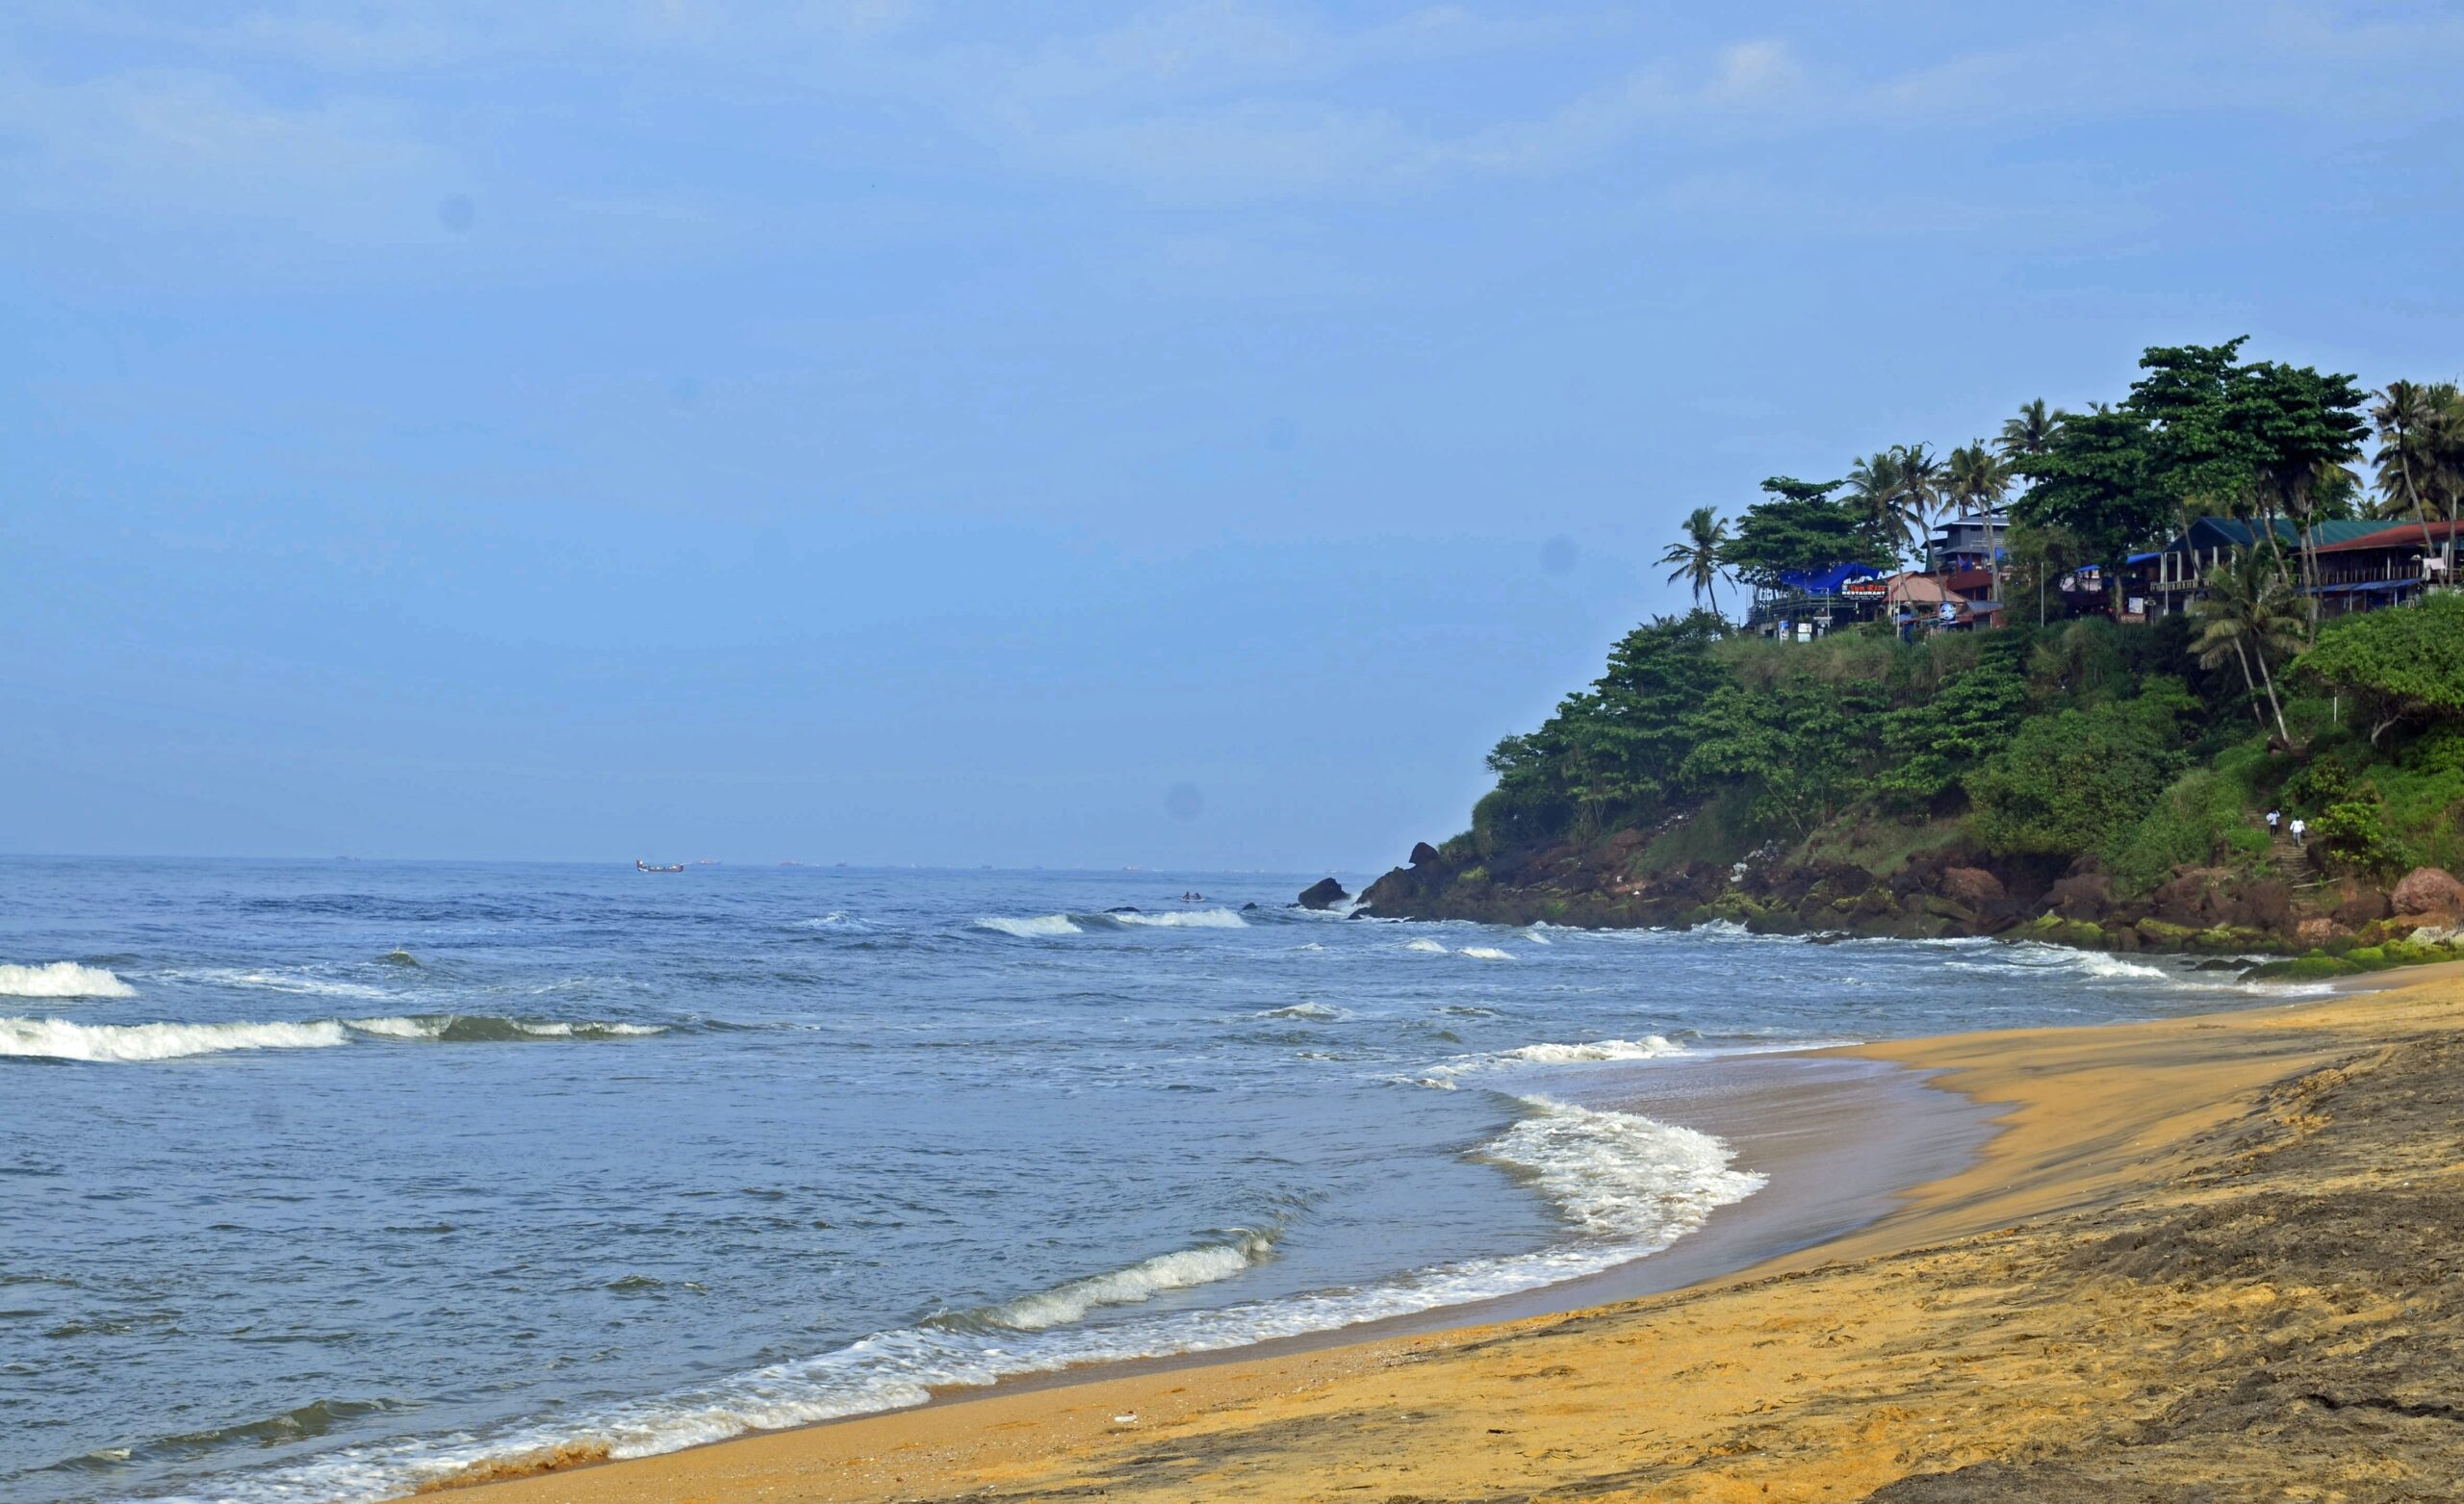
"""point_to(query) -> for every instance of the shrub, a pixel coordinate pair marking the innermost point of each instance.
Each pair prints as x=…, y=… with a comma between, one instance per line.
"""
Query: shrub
x=2199, y=820
x=2400, y=665
x=2352, y=838
x=2065, y=783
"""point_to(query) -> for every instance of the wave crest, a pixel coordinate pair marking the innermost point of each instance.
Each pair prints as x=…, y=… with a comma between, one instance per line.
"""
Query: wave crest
x=484, y=1028
x=1622, y=1174
x=1042, y=927
x=62, y=980
x=1134, y=1284
x=59, y=1039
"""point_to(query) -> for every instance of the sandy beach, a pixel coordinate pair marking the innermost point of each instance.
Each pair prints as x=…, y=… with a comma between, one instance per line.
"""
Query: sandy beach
x=2199, y=1258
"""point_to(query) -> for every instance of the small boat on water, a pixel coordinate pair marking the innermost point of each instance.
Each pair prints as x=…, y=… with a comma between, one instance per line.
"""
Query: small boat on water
x=647, y=867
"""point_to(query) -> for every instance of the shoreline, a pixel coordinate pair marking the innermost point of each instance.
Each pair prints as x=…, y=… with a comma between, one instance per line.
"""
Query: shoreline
x=1840, y=1140
x=2080, y=1116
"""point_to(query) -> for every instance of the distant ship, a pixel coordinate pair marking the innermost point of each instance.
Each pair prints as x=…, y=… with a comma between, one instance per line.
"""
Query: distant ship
x=647, y=867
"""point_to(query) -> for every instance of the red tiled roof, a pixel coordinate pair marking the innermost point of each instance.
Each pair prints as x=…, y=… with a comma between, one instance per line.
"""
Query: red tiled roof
x=2395, y=535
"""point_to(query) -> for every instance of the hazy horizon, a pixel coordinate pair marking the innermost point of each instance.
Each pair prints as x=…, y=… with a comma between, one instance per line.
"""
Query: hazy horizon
x=1178, y=435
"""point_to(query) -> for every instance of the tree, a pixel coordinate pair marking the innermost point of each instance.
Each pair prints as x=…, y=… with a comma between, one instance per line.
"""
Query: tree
x=1979, y=479
x=1920, y=489
x=2246, y=614
x=2032, y=432
x=1796, y=745
x=2094, y=484
x=1697, y=556
x=2421, y=455
x=1798, y=529
x=2399, y=665
x=2065, y=783
x=1874, y=491
x=2256, y=438
x=1970, y=717
x=2302, y=426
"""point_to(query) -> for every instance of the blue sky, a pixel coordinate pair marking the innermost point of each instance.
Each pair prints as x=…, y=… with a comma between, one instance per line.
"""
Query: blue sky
x=939, y=432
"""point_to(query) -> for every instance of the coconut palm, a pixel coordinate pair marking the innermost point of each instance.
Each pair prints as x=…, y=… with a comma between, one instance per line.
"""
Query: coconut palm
x=2421, y=453
x=2247, y=613
x=2032, y=431
x=1697, y=556
x=1979, y=479
x=1921, y=481
x=1876, y=492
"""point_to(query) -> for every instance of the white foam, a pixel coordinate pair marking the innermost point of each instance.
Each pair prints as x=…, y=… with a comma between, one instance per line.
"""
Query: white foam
x=833, y=920
x=1314, y=1011
x=56, y=1038
x=1139, y=1282
x=1185, y=919
x=1620, y=1174
x=1650, y=1047
x=481, y=1027
x=1485, y=953
x=2037, y=955
x=1537, y=938
x=1041, y=928
x=1424, y=947
x=296, y=983
x=1626, y=1187
x=62, y=980
x=1447, y=1076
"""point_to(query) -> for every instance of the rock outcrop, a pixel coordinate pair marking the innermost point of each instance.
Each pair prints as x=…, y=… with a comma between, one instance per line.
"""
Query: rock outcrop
x=2429, y=892
x=1323, y=894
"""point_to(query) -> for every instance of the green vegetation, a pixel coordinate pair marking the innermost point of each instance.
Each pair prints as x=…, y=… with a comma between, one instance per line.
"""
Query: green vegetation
x=2131, y=753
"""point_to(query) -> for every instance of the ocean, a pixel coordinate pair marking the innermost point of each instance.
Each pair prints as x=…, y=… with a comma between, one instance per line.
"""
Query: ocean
x=326, y=1178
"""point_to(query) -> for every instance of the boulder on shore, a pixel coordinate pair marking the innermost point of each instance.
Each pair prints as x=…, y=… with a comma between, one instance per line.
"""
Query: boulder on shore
x=2429, y=890
x=1324, y=893
x=1422, y=853
x=1972, y=887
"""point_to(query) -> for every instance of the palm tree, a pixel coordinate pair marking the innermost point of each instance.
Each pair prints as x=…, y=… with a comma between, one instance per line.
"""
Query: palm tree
x=2032, y=431
x=1875, y=490
x=1920, y=489
x=1979, y=479
x=2420, y=451
x=2247, y=613
x=1698, y=557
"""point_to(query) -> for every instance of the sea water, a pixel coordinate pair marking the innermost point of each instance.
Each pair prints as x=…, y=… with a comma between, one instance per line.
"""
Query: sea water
x=325, y=1179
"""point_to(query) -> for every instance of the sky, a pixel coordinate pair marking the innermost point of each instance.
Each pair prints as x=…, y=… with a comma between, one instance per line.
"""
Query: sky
x=1182, y=435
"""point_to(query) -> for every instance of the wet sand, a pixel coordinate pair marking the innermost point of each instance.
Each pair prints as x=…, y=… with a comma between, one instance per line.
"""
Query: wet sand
x=2204, y=1256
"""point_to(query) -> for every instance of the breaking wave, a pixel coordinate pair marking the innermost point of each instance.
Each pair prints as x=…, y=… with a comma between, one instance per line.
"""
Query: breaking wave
x=1447, y=1076
x=1485, y=953
x=62, y=980
x=1650, y=1047
x=1318, y=1012
x=59, y=1039
x=1052, y=926
x=1424, y=947
x=484, y=1028
x=1180, y=919
x=1136, y=1285
x=1043, y=927
x=2036, y=955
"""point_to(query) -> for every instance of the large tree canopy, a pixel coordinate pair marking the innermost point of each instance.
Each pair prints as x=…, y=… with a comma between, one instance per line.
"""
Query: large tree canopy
x=2402, y=665
x=1799, y=529
x=2097, y=482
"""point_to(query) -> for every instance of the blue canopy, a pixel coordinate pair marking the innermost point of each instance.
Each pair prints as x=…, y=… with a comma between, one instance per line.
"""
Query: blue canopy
x=1826, y=582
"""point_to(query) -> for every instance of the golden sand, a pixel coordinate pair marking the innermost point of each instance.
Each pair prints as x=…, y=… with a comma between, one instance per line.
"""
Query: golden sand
x=2175, y=1273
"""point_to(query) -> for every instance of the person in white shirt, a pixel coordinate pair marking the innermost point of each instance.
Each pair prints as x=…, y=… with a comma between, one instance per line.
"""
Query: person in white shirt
x=2299, y=831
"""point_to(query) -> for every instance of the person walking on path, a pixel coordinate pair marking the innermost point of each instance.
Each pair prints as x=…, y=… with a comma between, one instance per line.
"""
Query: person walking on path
x=2273, y=815
x=2299, y=831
